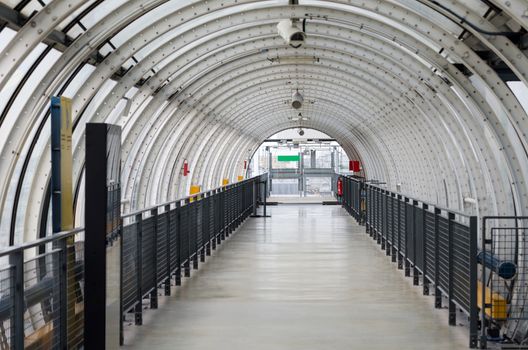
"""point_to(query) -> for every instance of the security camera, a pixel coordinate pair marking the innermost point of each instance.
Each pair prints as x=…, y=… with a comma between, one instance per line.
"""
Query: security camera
x=297, y=100
x=291, y=34
x=301, y=132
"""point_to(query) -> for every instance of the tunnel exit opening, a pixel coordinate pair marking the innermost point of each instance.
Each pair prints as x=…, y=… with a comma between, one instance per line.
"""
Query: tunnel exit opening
x=303, y=166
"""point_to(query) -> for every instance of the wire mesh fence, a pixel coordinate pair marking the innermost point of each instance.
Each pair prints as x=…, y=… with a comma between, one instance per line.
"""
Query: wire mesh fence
x=431, y=244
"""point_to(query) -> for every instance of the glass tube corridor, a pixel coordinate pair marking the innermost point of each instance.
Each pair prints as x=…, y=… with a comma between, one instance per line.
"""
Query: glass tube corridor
x=278, y=173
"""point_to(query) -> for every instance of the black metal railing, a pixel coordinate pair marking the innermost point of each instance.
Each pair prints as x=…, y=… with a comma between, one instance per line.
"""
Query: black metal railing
x=437, y=245
x=162, y=243
x=42, y=282
x=41, y=286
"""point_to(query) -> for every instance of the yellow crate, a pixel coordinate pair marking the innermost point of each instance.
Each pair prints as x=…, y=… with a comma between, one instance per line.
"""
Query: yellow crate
x=499, y=306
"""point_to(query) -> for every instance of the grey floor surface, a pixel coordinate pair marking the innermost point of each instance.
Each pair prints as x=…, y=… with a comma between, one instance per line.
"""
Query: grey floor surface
x=306, y=278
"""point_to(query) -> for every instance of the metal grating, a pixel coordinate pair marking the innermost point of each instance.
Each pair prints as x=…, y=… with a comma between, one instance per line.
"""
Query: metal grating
x=403, y=232
x=461, y=268
x=390, y=223
x=443, y=253
x=6, y=307
x=162, y=243
x=429, y=236
x=42, y=321
x=129, y=267
x=174, y=240
x=148, y=252
x=409, y=232
x=419, y=237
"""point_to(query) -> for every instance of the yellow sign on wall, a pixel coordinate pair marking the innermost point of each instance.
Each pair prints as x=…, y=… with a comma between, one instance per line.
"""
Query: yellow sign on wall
x=61, y=164
x=66, y=164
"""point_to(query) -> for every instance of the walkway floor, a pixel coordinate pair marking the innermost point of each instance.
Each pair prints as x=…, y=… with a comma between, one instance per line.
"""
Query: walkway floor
x=307, y=278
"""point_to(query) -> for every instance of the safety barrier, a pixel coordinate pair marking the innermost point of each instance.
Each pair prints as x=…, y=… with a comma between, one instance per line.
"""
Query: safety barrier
x=438, y=245
x=41, y=286
x=42, y=282
x=161, y=243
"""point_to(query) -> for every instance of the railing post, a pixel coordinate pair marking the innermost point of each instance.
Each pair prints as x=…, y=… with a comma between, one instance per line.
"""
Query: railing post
x=254, y=184
x=194, y=230
x=425, y=208
x=485, y=304
x=200, y=217
x=210, y=239
x=473, y=307
x=379, y=237
x=177, y=272
x=452, y=306
x=406, y=233
x=139, y=271
x=438, y=293
x=388, y=248
x=154, y=293
x=17, y=262
x=384, y=219
x=187, y=264
x=416, y=274
x=222, y=213
x=400, y=255
x=168, y=251
x=395, y=229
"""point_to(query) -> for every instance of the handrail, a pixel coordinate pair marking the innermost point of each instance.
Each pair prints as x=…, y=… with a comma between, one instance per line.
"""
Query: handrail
x=194, y=196
x=40, y=241
x=454, y=211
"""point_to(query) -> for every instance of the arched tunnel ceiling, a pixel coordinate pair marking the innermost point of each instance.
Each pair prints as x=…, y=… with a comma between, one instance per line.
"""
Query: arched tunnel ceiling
x=414, y=89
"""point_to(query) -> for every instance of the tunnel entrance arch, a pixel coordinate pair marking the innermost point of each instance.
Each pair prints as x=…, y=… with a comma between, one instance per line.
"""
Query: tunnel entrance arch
x=302, y=165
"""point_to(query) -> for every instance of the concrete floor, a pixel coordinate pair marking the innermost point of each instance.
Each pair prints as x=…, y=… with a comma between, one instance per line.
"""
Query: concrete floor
x=301, y=200
x=307, y=278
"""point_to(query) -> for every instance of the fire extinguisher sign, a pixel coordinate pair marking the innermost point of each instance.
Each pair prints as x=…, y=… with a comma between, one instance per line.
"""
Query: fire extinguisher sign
x=340, y=186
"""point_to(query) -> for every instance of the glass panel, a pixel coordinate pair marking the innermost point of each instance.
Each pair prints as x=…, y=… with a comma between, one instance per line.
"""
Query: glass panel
x=281, y=187
x=520, y=90
x=99, y=12
x=33, y=6
x=146, y=20
x=76, y=13
x=75, y=31
x=79, y=80
x=318, y=186
x=28, y=88
x=323, y=159
x=5, y=37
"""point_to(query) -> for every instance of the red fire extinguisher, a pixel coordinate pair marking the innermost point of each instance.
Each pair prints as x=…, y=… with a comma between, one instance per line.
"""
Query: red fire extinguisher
x=340, y=187
x=185, y=168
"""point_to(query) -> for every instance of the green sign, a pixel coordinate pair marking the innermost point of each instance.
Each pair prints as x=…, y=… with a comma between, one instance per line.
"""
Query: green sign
x=294, y=158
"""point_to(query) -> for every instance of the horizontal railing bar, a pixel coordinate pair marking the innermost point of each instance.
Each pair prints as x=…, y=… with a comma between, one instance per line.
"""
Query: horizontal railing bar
x=194, y=196
x=41, y=241
x=454, y=211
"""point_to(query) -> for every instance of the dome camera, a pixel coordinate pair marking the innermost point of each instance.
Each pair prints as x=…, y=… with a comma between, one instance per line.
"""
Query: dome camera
x=301, y=132
x=297, y=100
x=292, y=35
